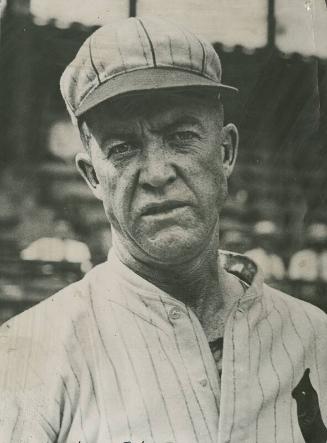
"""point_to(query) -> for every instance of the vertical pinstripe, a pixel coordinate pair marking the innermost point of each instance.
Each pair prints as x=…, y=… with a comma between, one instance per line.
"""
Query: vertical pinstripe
x=315, y=344
x=171, y=51
x=141, y=42
x=296, y=333
x=188, y=48
x=259, y=381
x=203, y=55
x=156, y=377
x=92, y=62
x=15, y=426
x=65, y=432
x=175, y=372
x=28, y=358
x=204, y=61
x=181, y=387
x=152, y=364
x=68, y=396
x=277, y=376
x=210, y=60
x=250, y=366
x=150, y=42
x=91, y=378
x=249, y=336
x=188, y=376
x=89, y=371
x=133, y=370
x=203, y=360
x=79, y=386
x=234, y=374
x=291, y=362
x=120, y=52
x=115, y=373
x=48, y=424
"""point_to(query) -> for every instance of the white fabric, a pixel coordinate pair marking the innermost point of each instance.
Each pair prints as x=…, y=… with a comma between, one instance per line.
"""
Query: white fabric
x=114, y=359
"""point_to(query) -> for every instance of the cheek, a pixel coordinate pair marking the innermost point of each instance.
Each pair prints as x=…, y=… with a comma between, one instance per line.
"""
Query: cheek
x=211, y=180
x=221, y=187
x=108, y=183
x=116, y=191
x=218, y=176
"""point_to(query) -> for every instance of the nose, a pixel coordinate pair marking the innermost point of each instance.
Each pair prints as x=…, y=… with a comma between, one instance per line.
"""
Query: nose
x=157, y=171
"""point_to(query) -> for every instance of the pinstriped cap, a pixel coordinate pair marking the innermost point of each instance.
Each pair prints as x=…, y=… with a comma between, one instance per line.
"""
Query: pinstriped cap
x=137, y=55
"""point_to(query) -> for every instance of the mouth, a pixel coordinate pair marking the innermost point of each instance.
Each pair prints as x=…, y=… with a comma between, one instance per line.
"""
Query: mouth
x=162, y=208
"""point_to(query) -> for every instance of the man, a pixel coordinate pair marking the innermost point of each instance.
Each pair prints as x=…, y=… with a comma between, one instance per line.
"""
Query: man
x=170, y=340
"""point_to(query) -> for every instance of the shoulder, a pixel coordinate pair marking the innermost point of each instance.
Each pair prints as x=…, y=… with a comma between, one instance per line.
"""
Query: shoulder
x=291, y=309
x=50, y=324
x=70, y=301
x=50, y=313
x=47, y=344
x=30, y=340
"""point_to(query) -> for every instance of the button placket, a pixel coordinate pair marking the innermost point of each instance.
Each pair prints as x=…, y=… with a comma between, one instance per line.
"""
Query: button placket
x=190, y=347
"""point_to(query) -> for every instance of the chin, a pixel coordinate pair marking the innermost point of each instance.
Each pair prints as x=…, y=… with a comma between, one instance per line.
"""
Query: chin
x=174, y=247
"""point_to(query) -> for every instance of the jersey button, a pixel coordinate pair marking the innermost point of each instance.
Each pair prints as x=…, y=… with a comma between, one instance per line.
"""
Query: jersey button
x=204, y=382
x=174, y=313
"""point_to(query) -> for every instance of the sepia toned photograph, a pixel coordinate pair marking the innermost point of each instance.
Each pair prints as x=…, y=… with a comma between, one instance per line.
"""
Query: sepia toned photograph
x=163, y=221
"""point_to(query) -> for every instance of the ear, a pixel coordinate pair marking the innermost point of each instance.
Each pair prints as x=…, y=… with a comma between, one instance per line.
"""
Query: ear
x=85, y=168
x=230, y=141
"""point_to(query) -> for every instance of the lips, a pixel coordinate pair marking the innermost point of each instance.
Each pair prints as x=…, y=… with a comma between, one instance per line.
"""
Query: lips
x=162, y=207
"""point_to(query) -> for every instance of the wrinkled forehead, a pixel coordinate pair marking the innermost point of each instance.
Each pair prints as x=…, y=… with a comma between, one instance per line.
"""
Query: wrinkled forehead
x=153, y=105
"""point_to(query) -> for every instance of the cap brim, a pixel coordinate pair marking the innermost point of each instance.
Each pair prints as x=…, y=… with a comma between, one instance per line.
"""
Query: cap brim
x=145, y=80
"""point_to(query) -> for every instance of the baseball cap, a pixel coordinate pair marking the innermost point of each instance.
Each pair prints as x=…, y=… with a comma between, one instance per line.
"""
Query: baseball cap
x=136, y=55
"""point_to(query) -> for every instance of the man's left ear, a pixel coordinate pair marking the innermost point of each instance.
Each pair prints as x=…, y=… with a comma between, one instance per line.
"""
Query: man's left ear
x=230, y=141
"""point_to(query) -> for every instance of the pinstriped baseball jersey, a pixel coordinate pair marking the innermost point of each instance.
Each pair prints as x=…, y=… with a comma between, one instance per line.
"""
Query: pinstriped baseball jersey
x=114, y=359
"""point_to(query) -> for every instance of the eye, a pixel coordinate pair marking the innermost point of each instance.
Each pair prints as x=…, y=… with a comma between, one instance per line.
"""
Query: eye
x=182, y=136
x=121, y=149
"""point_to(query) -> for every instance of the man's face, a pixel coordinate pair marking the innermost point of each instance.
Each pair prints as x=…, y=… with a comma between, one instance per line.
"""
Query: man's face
x=161, y=167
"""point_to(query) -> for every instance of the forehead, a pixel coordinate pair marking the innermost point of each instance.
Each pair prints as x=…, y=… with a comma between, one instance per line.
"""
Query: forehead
x=156, y=109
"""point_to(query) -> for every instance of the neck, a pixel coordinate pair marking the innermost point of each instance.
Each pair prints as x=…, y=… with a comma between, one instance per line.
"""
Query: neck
x=201, y=283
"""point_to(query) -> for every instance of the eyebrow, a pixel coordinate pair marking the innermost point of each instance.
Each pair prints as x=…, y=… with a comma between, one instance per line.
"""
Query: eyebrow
x=181, y=121
x=126, y=133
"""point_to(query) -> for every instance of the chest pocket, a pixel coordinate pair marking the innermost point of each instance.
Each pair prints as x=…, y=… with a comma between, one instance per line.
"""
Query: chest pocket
x=308, y=411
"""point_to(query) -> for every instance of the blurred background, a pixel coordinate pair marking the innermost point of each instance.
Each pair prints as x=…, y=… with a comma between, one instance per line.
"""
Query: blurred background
x=51, y=228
